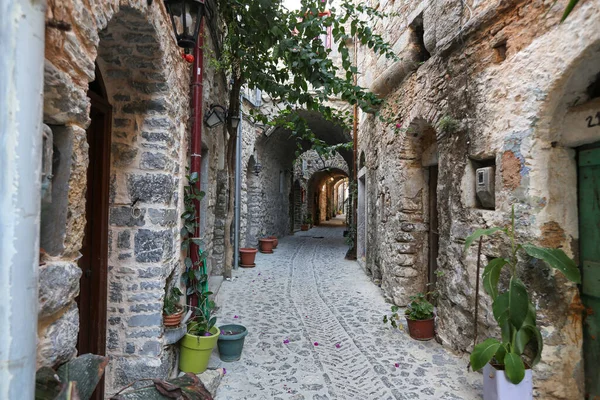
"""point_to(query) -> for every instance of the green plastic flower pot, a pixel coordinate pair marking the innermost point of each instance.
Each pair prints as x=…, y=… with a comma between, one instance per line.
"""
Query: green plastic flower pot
x=196, y=350
x=231, y=342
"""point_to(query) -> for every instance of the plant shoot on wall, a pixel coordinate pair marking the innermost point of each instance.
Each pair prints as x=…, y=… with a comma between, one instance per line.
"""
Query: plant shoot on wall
x=195, y=276
x=512, y=307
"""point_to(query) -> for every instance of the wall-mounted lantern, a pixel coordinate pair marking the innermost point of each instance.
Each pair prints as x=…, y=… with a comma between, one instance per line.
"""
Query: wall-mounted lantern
x=186, y=16
x=215, y=116
x=235, y=121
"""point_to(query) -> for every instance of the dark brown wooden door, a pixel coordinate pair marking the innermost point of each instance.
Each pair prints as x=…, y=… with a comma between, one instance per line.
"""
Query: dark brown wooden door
x=433, y=224
x=93, y=263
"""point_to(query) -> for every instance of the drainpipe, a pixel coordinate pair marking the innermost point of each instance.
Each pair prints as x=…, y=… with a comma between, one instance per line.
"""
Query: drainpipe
x=21, y=113
x=238, y=189
x=196, y=141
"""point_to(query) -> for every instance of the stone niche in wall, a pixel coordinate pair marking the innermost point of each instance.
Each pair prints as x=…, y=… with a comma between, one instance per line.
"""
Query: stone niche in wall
x=55, y=204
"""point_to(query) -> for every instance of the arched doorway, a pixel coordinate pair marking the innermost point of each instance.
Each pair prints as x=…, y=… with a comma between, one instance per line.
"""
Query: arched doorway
x=94, y=251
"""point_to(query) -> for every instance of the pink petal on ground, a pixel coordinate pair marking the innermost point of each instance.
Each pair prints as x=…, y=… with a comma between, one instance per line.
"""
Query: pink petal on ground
x=224, y=371
x=316, y=343
x=337, y=345
x=235, y=317
x=286, y=341
x=396, y=365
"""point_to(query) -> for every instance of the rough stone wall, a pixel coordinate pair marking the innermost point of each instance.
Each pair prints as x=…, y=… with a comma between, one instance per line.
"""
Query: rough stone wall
x=148, y=87
x=496, y=90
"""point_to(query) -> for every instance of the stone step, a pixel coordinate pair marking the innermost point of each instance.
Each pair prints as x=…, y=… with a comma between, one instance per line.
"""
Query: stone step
x=214, y=284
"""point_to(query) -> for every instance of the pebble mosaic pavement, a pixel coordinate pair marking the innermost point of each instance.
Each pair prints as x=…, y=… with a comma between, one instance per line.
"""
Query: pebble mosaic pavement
x=316, y=332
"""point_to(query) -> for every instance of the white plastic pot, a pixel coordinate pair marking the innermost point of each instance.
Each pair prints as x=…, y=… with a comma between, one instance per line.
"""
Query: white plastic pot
x=497, y=387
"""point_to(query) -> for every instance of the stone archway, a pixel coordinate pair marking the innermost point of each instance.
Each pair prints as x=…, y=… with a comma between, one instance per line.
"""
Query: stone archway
x=565, y=158
x=146, y=83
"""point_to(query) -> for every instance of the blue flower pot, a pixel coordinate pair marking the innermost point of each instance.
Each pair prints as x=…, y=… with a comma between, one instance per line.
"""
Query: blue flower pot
x=231, y=342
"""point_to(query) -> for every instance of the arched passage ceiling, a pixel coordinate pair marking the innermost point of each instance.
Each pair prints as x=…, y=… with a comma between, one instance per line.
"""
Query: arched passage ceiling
x=282, y=143
x=319, y=177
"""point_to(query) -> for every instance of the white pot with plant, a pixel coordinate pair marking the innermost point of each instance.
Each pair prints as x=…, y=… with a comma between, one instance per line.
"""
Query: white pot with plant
x=507, y=370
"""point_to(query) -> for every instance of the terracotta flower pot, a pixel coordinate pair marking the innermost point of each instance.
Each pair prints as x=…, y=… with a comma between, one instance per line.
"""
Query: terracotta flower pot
x=276, y=242
x=247, y=256
x=304, y=227
x=172, y=320
x=421, y=329
x=266, y=245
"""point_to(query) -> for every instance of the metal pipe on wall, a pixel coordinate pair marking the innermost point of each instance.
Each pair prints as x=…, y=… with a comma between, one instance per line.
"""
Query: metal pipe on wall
x=238, y=189
x=196, y=139
x=21, y=113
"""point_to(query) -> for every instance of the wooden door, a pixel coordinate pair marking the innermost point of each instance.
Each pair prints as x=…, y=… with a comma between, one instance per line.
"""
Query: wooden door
x=589, y=234
x=93, y=263
x=433, y=224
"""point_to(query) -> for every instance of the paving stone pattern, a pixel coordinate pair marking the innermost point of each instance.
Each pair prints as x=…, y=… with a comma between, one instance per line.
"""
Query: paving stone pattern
x=306, y=293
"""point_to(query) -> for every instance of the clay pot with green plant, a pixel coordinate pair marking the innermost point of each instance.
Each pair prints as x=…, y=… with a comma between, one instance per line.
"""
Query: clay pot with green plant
x=172, y=310
x=306, y=225
x=419, y=318
x=507, y=367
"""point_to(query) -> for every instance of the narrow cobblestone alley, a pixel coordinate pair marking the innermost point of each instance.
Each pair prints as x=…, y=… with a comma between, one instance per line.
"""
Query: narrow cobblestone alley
x=316, y=332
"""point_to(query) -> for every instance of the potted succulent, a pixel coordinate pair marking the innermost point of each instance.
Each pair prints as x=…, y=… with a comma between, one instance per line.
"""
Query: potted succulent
x=507, y=369
x=172, y=310
x=231, y=342
x=247, y=256
x=419, y=317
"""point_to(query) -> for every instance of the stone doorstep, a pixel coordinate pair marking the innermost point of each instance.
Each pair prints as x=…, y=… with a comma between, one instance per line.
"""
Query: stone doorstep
x=214, y=284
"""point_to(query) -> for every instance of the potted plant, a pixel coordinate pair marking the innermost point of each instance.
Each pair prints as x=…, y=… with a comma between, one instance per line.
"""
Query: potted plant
x=419, y=317
x=266, y=245
x=172, y=310
x=201, y=337
x=507, y=370
x=202, y=334
x=275, y=241
x=307, y=223
x=231, y=342
x=247, y=256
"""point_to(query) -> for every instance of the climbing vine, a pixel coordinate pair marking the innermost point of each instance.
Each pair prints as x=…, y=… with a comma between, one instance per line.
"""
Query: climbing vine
x=195, y=277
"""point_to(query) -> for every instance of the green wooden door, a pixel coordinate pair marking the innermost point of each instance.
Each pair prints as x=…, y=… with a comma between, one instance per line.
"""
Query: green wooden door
x=589, y=234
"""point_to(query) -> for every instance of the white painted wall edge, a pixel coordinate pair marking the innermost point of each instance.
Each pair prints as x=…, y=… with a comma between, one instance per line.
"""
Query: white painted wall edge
x=21, y=109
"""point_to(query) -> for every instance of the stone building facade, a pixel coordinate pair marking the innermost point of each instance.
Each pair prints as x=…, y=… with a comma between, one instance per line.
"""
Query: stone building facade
x=480, y=84
x=116, y=109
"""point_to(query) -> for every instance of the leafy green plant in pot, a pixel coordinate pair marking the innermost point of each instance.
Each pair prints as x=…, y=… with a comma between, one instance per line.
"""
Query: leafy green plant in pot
x=419, y=317
x=306, y=224
x=172, y=310
x=202, y=334
x=507, y=370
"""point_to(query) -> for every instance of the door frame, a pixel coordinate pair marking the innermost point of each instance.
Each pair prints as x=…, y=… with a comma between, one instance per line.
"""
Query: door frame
x=93, y=293
x=588, y=374
x=433, y=233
